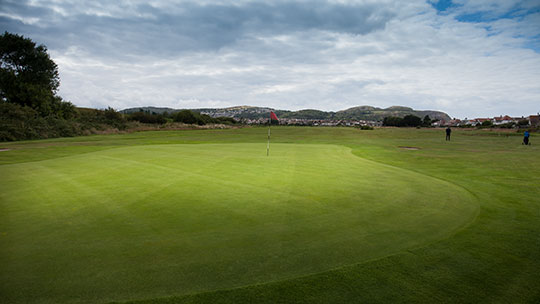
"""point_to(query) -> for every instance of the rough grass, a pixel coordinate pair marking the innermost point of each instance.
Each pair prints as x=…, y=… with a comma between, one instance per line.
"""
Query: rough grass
x=138, y=216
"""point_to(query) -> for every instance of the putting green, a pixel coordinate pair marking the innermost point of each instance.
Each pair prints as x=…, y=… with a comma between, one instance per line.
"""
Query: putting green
x=159, y=220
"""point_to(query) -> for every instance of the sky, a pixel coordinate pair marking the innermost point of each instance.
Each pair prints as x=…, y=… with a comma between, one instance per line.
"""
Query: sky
x=468, y=58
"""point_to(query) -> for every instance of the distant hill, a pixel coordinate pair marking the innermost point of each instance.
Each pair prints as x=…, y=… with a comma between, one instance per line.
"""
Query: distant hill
x=156, y=110
x=373, y=113
x=355, y=113
x=307, y=114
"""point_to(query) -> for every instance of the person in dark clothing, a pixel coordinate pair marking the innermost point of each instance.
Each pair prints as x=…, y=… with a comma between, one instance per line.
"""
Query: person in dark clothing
x=526, y=138
x=448, y=132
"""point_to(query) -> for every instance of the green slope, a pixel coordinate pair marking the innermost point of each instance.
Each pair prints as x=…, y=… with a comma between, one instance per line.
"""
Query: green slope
x=157, y=220
x=115, y=244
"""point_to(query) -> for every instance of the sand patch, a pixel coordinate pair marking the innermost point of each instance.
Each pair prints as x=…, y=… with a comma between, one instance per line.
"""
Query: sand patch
x=4, y=149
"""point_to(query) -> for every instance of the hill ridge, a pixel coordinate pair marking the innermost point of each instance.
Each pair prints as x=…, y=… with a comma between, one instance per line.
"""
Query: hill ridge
x=364, y=112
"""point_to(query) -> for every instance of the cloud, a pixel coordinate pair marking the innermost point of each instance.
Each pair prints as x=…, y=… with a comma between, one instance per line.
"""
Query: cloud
x=327, y=55
x=140, y=28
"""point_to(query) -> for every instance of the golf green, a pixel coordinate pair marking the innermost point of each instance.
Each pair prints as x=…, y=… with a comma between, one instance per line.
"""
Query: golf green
x=149, y=221
x=333, y=215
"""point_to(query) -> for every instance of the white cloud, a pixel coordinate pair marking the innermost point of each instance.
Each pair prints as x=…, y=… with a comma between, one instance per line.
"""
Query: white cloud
x=381, y=54
x=24, y=20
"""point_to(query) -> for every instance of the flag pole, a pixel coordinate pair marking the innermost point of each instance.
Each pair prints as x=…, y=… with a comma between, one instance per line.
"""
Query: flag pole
x=268, y=144
x=272, y=116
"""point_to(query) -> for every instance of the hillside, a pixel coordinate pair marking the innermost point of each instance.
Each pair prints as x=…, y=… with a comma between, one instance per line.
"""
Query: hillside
x=355, y=113
x=373, y=113
x=156, y=110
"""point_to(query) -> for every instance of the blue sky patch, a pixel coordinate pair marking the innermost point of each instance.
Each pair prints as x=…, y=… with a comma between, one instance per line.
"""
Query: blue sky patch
x=474, y=18
x=489, y=16
x=443, y=5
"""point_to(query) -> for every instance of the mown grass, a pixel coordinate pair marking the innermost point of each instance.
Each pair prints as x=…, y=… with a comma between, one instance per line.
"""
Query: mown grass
x=451, y=222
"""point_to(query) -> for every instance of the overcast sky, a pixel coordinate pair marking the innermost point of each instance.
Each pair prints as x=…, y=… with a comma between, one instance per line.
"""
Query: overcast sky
x=468, y=58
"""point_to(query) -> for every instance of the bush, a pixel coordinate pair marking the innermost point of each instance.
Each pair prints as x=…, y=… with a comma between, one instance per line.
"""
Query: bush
x=508, y=125
x=18, y=122
x=187, y=117
x=487, y=124
x=523, y=123
x=147, y=118
x=22, y=122
x=226, y=120
x=100, y=119
x=191, y=118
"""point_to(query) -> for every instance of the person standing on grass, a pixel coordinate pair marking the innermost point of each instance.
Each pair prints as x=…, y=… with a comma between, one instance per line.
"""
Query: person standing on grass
x=526, y=138
x=448, y=132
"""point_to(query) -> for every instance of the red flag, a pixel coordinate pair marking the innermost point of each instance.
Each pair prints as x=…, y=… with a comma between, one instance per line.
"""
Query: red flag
x=273, y=115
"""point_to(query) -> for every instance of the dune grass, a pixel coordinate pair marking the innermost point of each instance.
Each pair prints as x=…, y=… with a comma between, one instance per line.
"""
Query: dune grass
x=333, y=215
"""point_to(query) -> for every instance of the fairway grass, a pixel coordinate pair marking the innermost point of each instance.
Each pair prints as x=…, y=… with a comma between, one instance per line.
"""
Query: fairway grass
x=332, y=215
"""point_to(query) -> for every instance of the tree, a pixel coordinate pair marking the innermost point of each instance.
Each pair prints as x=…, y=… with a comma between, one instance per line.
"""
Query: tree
x=523, y=122
x=28, y=76
x=487, y=123
x=187, y=117
x=145, y=117
x=406, y=121
x=112, y=115
x=392, y=121
x=411, y=121
x=426, y=122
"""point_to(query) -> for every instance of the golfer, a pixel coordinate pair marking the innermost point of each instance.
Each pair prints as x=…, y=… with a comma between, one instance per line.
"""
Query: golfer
x=526, y=138
x=448, y=132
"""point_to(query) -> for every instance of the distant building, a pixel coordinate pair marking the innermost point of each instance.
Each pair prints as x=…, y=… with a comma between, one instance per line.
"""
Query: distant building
x=534, y=120
x=472, y=122
x=497, y=121
x=501, y=120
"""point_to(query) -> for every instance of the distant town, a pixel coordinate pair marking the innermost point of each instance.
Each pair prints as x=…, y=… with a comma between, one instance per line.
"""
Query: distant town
x=500, y=121
x=353, y=117
x=312, y=122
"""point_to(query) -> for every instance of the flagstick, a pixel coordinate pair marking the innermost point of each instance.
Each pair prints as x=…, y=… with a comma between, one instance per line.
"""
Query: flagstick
x=268, y=145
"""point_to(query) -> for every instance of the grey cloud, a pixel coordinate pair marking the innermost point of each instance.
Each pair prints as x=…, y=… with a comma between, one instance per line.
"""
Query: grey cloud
x=145, y=29
x=304, y=54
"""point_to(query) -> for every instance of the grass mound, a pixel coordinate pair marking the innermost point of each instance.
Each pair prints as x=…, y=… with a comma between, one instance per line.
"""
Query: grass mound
x=158, y=220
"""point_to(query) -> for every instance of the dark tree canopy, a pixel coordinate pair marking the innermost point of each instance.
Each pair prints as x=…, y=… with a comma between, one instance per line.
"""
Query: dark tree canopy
x=28, y=76
x=188, y=117
x=426, y=122
x=487, y=123
x=411, y=121
x=392, y=121
x=406, y=121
